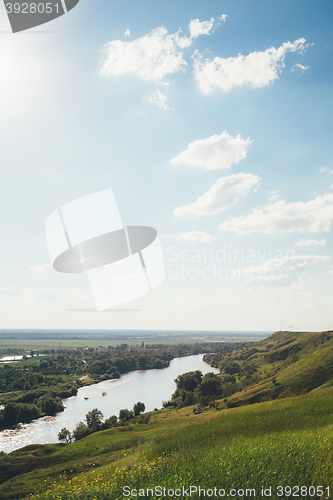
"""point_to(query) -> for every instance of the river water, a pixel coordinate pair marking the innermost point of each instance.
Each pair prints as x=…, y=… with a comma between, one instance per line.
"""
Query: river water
x=151, y=387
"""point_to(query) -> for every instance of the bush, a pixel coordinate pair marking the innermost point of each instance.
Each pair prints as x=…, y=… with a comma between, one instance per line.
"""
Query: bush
x=94, y=419
x=50, y=405
x=65, y=435
x=125, y=415
x=189, y=381
x=138, y=408
x=80, y=431
x=110, y=422
x=144, y=419
x=14, y=413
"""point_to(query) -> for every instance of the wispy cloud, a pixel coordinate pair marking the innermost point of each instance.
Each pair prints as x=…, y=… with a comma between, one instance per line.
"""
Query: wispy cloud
x=201, y=236
x=46, y=268
x=214, y=153
x=281, y=271
x=274, y=195
x=227, y=191
x=281, y=217
x=53, y=294
x=309, y=243
x=300, y=67
x=159, y=99
x=13, y=291
x=257, y=69
x=30, y=294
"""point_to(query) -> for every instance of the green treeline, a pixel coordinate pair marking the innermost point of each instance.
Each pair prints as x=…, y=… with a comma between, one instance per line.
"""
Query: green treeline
x=193, y=388
x=286, y=364
x=93, y=422
x=35, y=386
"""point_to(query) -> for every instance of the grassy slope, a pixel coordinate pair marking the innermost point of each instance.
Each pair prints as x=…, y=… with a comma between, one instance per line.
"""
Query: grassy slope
x=24, y=469
x=282, y=442
x=288, y=364
x=287, y=441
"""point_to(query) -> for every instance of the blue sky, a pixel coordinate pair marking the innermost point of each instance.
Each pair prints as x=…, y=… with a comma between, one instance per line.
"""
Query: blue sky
x=215, y=132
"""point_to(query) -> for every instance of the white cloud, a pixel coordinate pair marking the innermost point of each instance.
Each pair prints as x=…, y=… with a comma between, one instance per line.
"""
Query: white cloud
x=300, y=67
x=53, y=294
x=214, y=153
x=46, y=268
x=227, y=191
x=150, y=57
x=309, y=243
x=274, y=195
x=29, y=295
x=257, y=69
x=281, y=217
x=281, y=271
x=322, y=169
x=198, y=28
x=127, y=32
x=13, y=291
x=159, y=99
x=201, y=236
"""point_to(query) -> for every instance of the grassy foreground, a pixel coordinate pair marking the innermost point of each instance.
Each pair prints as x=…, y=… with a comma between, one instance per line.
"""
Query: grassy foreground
x=286, y=443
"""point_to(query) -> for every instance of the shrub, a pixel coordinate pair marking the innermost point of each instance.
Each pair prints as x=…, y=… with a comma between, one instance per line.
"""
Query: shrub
x=80, y=431
x=138, y=408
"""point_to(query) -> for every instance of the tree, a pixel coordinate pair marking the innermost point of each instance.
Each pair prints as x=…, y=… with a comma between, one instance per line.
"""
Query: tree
x=144, y=419
x=230, y=367
x=12, y=413
x=65, y=435
x=94, y=419
x=50, y=405
x=189, y=381
x=110, y=422
x=210, y=385
x=138, y=408
x=142, y=362
x=125, y=415
x=80, y=431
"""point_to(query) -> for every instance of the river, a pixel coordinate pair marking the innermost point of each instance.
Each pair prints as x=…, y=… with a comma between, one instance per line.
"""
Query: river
x=151, y=387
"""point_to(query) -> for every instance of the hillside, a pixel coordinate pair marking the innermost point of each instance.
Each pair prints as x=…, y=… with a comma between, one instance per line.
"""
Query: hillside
x=287, y=442
x=284, y=364
x=284, y=440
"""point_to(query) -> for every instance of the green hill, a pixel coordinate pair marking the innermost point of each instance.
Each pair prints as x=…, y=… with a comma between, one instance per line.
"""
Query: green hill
x=284, y=364
x=282, y=443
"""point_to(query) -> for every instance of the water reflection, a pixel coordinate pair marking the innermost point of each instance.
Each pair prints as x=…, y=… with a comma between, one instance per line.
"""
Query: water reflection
x=152, y=387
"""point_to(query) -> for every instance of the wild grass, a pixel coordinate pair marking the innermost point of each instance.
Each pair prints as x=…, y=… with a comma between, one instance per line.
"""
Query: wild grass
x=281, y=443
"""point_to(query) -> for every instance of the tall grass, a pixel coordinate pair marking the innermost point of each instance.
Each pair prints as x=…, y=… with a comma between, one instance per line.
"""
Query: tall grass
x=281, y=443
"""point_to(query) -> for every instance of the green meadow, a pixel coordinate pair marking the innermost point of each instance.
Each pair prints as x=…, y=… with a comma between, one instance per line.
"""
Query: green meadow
x=271, y=438
x=283, y=443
